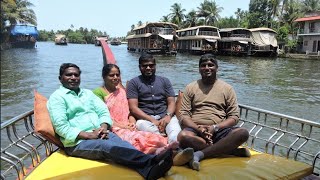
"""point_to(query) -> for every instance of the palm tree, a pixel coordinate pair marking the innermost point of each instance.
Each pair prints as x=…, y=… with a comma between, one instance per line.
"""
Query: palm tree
x=190, y=19
x=165, y=19
x=209, y=10
x=177, y=15
x=310, y=6
x=21, y=13
x=139, y=23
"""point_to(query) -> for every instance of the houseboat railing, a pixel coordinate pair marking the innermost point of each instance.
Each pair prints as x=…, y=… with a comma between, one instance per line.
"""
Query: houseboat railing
x=282, y=135
x=22, y=149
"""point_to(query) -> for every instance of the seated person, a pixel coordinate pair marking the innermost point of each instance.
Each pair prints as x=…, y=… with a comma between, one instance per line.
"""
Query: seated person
x=114, y=96
x=209, y=111
x=83, y=122
x=152, y=100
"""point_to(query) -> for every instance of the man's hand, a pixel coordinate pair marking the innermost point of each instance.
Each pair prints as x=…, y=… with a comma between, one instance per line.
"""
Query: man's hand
x=163, y=123
x=205, y=133
x=101, y=133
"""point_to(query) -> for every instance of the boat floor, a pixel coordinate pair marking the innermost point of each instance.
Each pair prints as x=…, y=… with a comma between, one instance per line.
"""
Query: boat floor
x=258, y=166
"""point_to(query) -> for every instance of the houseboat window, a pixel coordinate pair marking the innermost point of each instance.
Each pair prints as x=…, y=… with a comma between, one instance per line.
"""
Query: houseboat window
x=305, y=43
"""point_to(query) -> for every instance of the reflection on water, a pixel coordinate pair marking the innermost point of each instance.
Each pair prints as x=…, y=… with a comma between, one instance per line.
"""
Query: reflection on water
x=282, y=85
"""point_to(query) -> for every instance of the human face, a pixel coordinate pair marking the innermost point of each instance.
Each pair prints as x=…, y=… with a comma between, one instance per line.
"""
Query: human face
x=148, y=68
x=208, y=70
x=70, y=78
x=113, y=78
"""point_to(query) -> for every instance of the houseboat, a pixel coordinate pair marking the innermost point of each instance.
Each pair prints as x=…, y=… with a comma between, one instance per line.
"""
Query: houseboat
x=235, y=41
x=97, y=40
x=60, y=39
x=264, y=42
x=23, y=36
x=115, y=42
x=154, y=38
x=198, y=39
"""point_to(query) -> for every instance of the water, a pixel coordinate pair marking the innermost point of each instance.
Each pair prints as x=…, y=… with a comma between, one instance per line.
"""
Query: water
x=285, y=86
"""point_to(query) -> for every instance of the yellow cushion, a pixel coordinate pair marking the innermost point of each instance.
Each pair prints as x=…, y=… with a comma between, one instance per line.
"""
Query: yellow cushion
x=258, y=166
x=42, y=120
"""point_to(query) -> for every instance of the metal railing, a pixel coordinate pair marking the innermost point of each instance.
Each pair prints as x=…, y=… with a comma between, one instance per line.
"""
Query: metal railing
x=22, y=149
x=282, y=135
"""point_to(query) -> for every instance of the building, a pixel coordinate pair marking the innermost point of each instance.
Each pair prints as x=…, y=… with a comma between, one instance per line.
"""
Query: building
x=310, y=32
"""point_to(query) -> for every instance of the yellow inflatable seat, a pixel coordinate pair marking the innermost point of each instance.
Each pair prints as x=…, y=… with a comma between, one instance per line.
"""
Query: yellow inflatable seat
x=59, y=166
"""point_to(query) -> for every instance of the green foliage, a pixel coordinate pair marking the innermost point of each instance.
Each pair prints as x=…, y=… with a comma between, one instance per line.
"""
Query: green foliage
x=260, y=13
x=79, y=36
x=282, y=34
x=230, y=22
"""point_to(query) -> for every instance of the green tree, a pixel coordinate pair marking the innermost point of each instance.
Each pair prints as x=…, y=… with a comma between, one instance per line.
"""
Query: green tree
x=260, y=13
x=191, y=19
x=310, y=6
x=177, y=14
x=21, y=12
x=209, y=10
x=228, y=22
x=165, y=19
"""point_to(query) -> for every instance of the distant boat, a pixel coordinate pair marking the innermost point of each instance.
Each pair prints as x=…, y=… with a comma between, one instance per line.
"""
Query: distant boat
x=198, y=39
x=235, y=41
x=23, y=36
x=60, y=39
x=115, y=42
x=264, y=42
x=100, y=38
x=154, y=38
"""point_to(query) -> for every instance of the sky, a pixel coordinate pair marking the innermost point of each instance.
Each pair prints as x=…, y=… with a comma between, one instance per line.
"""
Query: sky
x=115, y=17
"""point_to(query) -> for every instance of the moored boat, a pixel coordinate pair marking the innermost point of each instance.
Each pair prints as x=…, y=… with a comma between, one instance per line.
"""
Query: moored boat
x=115, y=42
x=235, y=41
x=264, y=42
x=23, y=36
x=155, y=38
x=198, y=39
x=60, y=39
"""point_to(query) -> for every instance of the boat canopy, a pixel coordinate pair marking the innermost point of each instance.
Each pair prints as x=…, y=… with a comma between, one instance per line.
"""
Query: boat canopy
x=264, y=36
x=138, y=36
x=21, y=29
x=169, y=37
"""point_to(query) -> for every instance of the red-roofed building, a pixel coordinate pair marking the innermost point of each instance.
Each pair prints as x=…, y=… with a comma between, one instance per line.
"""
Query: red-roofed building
x=310, y=32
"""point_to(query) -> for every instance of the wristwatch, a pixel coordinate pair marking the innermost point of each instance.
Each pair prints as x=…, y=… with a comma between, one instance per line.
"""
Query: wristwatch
x=215, y=128
x=169, y=114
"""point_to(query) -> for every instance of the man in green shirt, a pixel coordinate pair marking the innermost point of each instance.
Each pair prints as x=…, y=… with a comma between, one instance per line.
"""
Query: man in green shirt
x=82, y=121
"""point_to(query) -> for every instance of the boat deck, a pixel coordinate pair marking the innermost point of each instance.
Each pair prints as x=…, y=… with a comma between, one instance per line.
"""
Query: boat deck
x=285, y=147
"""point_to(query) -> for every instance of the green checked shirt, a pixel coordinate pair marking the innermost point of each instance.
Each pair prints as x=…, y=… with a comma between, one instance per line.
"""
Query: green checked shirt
x=71, y=113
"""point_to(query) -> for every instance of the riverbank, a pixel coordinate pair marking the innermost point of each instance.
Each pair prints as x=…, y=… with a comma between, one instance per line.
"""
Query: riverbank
x=300, y=56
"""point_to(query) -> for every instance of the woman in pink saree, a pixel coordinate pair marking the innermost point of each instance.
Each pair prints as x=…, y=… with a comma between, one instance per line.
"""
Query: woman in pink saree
x=114, y=95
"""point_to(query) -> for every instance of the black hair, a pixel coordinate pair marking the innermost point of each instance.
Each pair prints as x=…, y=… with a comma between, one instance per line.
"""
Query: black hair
x=64, y=66
x=107, y=68
x=146, y=57
x=208, y=57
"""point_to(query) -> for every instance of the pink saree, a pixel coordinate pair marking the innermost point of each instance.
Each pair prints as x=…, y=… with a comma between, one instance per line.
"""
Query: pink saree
x=119, y=110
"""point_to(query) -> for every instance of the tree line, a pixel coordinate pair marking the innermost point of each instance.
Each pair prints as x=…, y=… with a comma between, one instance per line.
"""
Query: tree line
x=276, y=14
